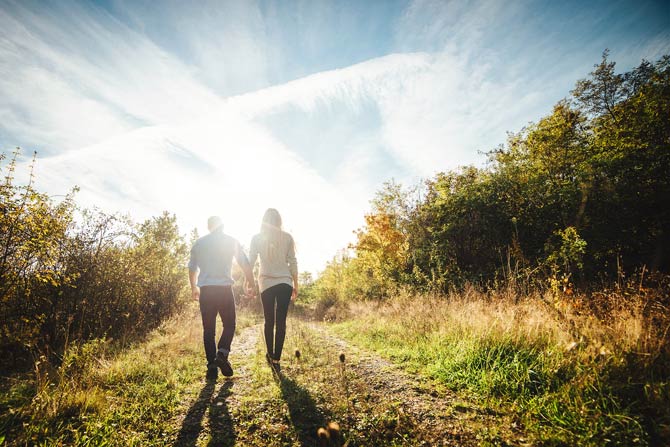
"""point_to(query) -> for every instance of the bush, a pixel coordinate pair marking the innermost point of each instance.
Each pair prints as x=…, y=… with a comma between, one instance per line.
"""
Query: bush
x=70, y=275
x=577, y=197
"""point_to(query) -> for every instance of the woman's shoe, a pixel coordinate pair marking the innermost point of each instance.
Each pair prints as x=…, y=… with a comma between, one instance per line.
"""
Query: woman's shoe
x=276, y=366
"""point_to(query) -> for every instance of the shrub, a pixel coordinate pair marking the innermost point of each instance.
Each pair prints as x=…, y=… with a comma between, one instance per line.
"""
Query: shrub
x=70, y=275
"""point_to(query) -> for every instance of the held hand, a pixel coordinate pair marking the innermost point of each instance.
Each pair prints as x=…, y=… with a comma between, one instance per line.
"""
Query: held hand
x=250, y=291
x=195, y=293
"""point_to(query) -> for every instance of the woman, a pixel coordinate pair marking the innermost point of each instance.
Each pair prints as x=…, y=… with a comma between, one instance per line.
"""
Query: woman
x=277, y=280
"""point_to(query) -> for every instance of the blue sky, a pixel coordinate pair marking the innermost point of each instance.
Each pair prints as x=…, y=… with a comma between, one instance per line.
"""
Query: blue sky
x=230, y=107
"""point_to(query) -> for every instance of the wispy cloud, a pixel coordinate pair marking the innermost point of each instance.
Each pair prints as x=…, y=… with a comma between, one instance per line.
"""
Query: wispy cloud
x=74, y=78
x=249, y=169
x=225, y=44
x=252, y=168
x=228, y=107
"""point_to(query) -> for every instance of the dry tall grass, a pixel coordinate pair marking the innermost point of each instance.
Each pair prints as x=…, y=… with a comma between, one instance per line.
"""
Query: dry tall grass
x=588, y=368
x=638, y=325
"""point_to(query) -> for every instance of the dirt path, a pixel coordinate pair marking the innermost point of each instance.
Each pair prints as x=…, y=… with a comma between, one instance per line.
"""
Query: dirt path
x=436, y=416
x=374, y=402
x=217, y=398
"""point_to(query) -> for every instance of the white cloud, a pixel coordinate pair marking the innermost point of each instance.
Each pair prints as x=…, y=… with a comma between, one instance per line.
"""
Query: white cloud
x=222, y=162
x=225, y=162
x=651, y=50
x=437, y=110
x=140, y=129
x=229, y=167
x=239, y=168
x=444, y=115
x=71, y=82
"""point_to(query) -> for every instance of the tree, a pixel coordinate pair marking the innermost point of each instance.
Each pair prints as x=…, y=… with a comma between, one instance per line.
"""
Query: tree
x=573, y=196
x=65, y=280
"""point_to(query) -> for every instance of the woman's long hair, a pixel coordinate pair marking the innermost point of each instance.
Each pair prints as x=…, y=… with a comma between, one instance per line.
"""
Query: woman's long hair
x=271, y=232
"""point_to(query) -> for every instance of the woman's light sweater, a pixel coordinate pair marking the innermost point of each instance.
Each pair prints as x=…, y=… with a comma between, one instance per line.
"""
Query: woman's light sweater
x=278, y=264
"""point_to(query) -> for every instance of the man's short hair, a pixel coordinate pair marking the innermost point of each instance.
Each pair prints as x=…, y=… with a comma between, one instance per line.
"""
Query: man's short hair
x=214, y=222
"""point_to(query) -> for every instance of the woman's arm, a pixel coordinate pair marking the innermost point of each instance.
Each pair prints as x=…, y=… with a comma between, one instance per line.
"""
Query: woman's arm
x=253, y=252
x=253, y=255
x=294, y=294
x=243, y=262
x=293, y=266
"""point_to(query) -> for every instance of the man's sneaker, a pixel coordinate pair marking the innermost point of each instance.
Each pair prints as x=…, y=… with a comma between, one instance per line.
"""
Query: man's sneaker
x=211, y=372
x=224, y=364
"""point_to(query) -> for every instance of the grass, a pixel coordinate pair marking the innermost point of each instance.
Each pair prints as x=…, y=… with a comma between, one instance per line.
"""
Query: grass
x=312, y=392
x=576, y=371
x=573, y=375
x=154, y=393
x=103, y=394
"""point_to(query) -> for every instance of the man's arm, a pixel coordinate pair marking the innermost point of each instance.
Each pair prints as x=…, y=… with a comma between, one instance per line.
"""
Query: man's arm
x=193, y=274
x=249, y=274
x=193, y=279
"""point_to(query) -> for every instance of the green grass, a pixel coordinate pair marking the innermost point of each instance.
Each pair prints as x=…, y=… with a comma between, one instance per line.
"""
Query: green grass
x=497, y=356
x=153, y=393
x=106, y=395
x=516, y=359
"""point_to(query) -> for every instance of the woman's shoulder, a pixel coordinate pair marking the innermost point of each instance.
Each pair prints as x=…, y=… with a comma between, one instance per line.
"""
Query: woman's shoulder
x=286, y=235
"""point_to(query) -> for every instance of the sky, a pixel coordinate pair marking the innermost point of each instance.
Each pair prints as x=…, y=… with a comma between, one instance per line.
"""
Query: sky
x=308, y=106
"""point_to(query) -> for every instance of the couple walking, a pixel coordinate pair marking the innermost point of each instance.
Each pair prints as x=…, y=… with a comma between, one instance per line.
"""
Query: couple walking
x=211, y=284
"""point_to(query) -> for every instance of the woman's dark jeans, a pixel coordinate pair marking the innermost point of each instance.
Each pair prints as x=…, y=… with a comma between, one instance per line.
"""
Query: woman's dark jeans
x=275, y=307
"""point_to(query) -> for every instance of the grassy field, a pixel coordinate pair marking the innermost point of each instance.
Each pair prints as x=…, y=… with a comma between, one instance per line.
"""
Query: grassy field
x=154, y=393
x=576, y=371
x=104, y=394
x=468, y=369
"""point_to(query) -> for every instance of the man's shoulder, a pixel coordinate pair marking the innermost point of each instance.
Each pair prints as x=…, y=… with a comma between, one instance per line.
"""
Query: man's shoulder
x=208, y=238
x=220, y=240
x=229, y=240
x=202, y=239
x=198, y=241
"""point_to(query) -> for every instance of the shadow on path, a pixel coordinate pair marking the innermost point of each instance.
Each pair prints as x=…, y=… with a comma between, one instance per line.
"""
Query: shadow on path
x=305, y=416
x=192, y=425
x=220, y=421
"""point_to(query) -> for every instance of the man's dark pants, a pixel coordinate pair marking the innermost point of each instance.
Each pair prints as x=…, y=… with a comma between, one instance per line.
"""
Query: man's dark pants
x=217, y=300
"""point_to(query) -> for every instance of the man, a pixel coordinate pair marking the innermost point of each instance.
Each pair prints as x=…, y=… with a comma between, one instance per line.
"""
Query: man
x=211, y=284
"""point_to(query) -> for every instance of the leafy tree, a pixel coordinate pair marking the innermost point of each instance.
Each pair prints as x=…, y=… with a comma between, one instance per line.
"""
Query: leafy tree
x=582, y=191
x=68, y=275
